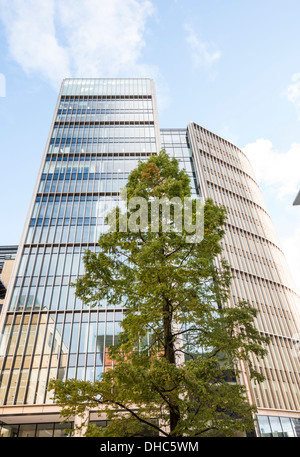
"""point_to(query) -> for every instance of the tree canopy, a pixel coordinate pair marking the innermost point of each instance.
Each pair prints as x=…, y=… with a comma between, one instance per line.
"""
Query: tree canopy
x=176, y=362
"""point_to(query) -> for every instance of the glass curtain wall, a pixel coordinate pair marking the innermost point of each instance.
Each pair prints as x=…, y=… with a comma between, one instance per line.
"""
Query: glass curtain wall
x=101, y=129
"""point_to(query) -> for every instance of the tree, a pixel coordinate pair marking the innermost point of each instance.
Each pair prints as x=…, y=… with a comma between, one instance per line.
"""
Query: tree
x=176, y=361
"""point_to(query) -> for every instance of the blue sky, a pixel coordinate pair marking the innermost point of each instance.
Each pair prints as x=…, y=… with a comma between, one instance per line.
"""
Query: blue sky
x=232, y=66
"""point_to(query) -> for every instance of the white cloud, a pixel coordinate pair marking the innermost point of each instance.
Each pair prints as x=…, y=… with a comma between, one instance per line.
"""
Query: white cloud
x=104, y=37
x=91, y=38
x=272, y=168
x=279, y=172
x=290, y=245
x=31, y=38
x=293, y=91
x=200, y=53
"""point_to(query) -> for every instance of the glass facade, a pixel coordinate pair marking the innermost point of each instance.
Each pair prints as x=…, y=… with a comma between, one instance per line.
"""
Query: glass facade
x=45, y=430
x=274, y=426
x=176, y=144
x=100, y=130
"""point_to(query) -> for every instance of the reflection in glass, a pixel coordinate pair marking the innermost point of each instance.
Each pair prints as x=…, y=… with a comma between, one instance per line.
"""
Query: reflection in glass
x=264, y=426
x=276, y=426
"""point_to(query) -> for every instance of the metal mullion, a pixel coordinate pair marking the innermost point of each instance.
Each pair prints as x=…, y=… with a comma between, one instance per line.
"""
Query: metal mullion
x=79, y=312
x=259, y=306
x=83, y=215
x=269, y=390
x=277, y=311
x=294, y=370
x=265, y=315
x=289, y=393
x=104, y=338
x=33, y=351
x=66, y=312
x=95, y=346
x=51, y=354
x=6, y=355
x=47, y=315
x=14, y=355
x=273, y=351
x=282, y=307
x=271, y=317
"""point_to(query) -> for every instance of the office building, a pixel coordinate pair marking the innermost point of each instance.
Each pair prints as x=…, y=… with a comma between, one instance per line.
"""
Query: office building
x=100, y=129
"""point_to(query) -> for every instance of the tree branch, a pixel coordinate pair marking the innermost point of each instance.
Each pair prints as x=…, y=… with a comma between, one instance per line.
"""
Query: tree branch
x=190, y=250
x=144, y=421
x=205, y=430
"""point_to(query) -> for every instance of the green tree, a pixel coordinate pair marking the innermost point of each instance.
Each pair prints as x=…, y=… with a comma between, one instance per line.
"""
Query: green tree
x=177, y=357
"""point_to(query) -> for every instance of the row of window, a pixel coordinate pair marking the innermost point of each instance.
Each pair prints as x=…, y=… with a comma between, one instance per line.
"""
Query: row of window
x=51, y=333
x=95, y=176
x=255, y=269
x=107, y=116
x=73, y=206
x=220, y=171
x=68, y=103
x=51, y=261
x=50, y=430
x=270, y=426
x=248, y=220
x=112, y=109
x=83, y=185
x=87, y=182
x=175, y=137
x=102, y=148
x=44, y=268
x=245, y=261
x=39, y=347
x=260, y=250
x=120, y=116
x=211, y=143
x=273, y=426
x=91, y=130
x=255, y=254
x=75, y=164
x=45, y=430
x=107, y=87
x=270, y=297
x=65, y=234
x=227, y=182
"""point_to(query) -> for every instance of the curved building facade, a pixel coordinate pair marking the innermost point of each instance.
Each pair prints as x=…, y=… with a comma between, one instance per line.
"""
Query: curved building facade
x=261, y=275
x=100, y=129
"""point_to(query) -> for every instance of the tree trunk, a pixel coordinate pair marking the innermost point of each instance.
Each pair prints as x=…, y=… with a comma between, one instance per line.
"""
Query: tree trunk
x=169, y=354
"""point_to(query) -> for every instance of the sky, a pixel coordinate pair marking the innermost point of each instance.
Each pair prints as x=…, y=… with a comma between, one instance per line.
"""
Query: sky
x=231, y=66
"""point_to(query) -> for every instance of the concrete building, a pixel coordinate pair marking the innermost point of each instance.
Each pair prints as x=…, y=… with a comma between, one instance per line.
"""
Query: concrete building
x=100, y=129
